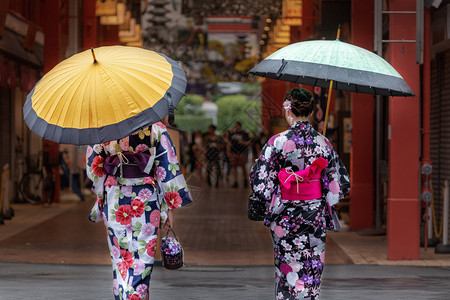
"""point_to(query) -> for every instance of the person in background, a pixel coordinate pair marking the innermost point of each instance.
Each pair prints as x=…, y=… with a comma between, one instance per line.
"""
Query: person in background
x=240, y=142
x=299, y=178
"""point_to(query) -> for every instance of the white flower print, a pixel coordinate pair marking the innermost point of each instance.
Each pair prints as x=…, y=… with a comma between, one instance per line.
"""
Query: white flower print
x=279, y=141
x=259, y=187
x=291, y=278
x=97, y=148
x=267, y=153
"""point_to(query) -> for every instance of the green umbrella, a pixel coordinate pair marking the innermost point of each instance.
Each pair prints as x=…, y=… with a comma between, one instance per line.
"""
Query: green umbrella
x=334, y=64
x=351, y=68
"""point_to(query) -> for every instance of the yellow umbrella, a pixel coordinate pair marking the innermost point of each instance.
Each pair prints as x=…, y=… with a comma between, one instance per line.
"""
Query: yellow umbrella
x=104, y=94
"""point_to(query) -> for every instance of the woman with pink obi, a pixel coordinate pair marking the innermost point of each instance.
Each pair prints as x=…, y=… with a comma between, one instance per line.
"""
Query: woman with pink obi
x=299, y=178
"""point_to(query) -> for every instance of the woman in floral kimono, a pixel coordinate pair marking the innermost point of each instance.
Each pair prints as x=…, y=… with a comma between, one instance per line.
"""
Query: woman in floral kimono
x=299, y=178
x=138, y=182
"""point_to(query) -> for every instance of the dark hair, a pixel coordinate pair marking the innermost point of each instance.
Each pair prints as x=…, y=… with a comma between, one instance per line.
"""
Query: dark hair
x=302, y=102
x=212, y=126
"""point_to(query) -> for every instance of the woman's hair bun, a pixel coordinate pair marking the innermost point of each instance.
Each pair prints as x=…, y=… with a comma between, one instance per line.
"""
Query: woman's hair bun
x=302, y=102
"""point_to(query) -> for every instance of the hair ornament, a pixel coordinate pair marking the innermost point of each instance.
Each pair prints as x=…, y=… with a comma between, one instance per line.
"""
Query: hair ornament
x=287, y=105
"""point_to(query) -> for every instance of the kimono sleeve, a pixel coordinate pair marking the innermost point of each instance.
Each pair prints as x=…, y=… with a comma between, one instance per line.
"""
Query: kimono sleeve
x=336, y=181
x=95, y=158
x=168, y=172
x=263, y=174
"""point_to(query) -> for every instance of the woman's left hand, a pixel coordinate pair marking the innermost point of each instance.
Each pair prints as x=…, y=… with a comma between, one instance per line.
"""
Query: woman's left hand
x=169, y=220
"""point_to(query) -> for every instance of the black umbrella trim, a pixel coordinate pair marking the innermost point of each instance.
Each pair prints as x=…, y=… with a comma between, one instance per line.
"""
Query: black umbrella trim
x=111, y=132
x=343, y=78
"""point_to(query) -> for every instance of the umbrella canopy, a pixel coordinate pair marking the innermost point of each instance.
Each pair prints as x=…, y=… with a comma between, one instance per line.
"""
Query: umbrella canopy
x=351, y=68
x=103, y=94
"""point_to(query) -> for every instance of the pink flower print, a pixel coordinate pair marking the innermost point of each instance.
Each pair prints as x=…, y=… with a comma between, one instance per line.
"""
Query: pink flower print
x=141, y=148
x=160, y=125
x=116, y=287
x=141, y=290
x=165, y=142
x=127, y=190
x=139, y=267
x=147, y=229
x=285, y=268
x=322, y=256
x=272, y=139
x=155, y=217
x=288, y=146
x=145, y=194
x=125, y=143
x=278, y=231
x=295, y=266
x=334, y=187
x=161, y=173
x=115, y=252
x=89, y=152
x=299, y=285
x=172, y=156
x=111, y=180
x=129, y=228
x=116, y=243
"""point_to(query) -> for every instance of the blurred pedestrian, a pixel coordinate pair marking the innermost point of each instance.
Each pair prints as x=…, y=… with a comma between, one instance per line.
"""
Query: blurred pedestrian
x=240, y=142
x=298, y=178
x=138, y=183
x=214, y=146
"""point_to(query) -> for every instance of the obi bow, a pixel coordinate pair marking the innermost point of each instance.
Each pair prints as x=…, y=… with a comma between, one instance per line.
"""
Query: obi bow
x=312, y=173
x=136, y=164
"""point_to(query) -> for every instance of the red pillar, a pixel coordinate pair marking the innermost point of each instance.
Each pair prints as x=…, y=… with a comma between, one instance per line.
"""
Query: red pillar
x=52, y=57
x=403, y=213
x=362, y=193
x=307, y=29
x=89, y=25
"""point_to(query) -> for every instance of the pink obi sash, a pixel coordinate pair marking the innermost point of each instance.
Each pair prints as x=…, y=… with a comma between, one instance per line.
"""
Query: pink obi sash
x=302, y=185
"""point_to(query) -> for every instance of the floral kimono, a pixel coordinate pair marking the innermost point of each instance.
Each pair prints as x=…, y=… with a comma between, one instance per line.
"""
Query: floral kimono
x=298, y=227
x=133, y=207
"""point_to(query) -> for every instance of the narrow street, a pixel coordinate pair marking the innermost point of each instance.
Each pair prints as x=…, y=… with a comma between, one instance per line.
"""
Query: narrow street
x=214, y=230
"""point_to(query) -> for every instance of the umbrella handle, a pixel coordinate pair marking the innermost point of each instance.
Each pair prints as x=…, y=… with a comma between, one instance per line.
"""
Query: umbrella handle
x=330, y=90
x=338, y=34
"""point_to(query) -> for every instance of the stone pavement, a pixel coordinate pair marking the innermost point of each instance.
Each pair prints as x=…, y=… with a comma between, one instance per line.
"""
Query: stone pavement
x=54, y=252
x=341, y=282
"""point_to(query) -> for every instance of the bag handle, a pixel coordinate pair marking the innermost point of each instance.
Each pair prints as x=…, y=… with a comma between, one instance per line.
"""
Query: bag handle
x=171, y=230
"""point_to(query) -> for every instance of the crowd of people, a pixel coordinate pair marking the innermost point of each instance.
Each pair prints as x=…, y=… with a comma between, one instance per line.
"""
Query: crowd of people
x=222, y=156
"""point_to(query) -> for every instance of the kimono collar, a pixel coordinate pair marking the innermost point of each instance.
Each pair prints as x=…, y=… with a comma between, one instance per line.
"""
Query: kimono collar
x=302, y=125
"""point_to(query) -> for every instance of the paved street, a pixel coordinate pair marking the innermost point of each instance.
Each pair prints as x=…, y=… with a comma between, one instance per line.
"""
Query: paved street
x=341, y=282
x=56, y=253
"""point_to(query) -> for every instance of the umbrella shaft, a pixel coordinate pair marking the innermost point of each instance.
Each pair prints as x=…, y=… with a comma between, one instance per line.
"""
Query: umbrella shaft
x=328, y=108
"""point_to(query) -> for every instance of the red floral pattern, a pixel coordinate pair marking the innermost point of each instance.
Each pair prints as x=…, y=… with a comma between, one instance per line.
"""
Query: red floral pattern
x=124, y=214
x=97, y=166
x=134, y=297
x=173, y=199
x=137, y=208
x=151, y=248
x=127, y=257
x=123, y=269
